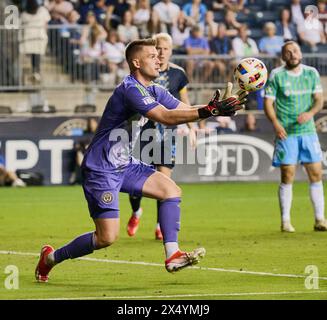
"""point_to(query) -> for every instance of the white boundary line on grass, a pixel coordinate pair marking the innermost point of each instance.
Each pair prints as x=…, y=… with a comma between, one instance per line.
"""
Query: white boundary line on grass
x=258, y=273
x=232, y=294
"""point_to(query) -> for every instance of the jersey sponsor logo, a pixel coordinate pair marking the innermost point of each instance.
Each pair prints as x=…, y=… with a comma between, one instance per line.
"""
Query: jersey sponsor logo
x=107, y=197
x=148, y=100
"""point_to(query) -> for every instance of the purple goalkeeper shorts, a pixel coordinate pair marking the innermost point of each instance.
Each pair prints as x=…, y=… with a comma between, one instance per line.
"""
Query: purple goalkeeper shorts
x=101, y=189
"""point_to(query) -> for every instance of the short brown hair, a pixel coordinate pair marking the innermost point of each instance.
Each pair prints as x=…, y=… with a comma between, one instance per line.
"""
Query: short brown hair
x=137, y=45
x=287, y=43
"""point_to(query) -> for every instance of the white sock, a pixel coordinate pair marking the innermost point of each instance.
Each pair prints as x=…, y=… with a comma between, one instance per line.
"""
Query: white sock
x=138, y=213
x=171, y=248
x=317, y=199
x=158, y=226
x=285, y=194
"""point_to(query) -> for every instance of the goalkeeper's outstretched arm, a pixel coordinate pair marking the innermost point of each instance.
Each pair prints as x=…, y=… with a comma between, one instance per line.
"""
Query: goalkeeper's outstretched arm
x=228, y=106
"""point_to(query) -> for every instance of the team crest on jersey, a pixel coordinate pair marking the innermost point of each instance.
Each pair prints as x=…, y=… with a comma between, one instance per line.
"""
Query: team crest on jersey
x=107, y=197
x=148, y=100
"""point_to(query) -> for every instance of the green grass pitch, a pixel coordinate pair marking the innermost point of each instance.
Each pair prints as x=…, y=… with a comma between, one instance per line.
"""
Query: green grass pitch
x=238, y=224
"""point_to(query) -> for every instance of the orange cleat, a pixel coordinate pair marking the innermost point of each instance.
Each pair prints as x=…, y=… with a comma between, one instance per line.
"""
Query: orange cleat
x=42, y=269
x=180, y=259
x=133, y=225
x=158, y=234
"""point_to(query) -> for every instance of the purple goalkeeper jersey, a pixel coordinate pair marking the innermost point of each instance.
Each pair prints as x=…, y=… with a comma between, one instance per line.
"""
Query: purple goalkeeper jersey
x=121, y=123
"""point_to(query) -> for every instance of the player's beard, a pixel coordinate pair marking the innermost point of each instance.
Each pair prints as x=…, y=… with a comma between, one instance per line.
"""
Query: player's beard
x=293, y=65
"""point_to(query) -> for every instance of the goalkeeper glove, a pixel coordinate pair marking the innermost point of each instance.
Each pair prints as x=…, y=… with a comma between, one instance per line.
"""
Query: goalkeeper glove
x=226, y=107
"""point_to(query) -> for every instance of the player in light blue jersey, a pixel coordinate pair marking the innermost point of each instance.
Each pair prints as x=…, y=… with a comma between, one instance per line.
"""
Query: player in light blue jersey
x=109, y=167
x=296, y=92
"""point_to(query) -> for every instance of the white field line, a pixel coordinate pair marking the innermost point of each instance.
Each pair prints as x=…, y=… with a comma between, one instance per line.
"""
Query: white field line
x=258, y=273
x=232, y=294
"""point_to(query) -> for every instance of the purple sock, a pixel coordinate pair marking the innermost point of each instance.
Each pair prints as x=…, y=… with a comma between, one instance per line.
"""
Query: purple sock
x=81, y=246
x=169, y=219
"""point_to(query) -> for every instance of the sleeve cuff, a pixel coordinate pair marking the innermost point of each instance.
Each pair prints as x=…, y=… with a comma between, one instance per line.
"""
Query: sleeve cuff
x=270, y=97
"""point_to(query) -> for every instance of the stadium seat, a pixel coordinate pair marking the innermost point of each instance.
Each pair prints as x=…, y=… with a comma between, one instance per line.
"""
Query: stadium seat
x=272, y=4
x=85, y=108
x=43, y=109
x=255, y=7
x=219, y=16
x=322, y=48
x=5, y=110
x=256, y=33
x=243, y=18
x=262, y=17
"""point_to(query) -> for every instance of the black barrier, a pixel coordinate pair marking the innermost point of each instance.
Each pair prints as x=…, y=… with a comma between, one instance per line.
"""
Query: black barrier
x=45, y=146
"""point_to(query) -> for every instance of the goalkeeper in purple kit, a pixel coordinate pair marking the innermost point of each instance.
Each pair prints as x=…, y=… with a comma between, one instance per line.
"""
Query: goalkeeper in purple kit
x=108, y=167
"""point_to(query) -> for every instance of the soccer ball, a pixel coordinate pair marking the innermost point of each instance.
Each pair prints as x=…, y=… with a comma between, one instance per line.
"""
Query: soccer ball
x=251, y=74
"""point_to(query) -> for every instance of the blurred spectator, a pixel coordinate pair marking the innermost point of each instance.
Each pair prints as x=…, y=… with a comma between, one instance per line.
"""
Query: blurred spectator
x=215, y=5
x=210, y=26
x=244, y=46
x=234, y=5
x=115, y=12
x=322, y=13
x=92, y=26
x=196, y=44
x=114, y=53
x=59, y=10
x=9, y=178
x=195, y=12
x=92, y=125
x=250, y=124
x=180, y=32
x=311, y=32
x=34, y=38
x=127, y=32
x=225, y=125
x=167, y=12
x=255, y=100
x=221, y=44
x=285, y=27
x=79, y=151
x=271, y=44
x=153, y=26
x=141, y=17
x=231, y=23
x=85, y=6
x=296, y=11
x=92, y=38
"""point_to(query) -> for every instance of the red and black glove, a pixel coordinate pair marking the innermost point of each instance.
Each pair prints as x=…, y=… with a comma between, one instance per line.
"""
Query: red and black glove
x=226, y=107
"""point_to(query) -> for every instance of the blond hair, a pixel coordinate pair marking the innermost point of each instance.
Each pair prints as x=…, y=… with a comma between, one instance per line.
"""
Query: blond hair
x=163, y=36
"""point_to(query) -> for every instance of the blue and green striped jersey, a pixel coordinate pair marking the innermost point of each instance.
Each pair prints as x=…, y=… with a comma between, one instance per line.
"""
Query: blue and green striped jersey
x=293, y=95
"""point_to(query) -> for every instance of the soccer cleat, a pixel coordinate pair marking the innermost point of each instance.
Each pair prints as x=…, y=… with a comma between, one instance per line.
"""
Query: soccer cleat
x=287, y=227
x=180, y=260
x=320, y=225
x=133, y=225
x=158, y=234
x=42, y=269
